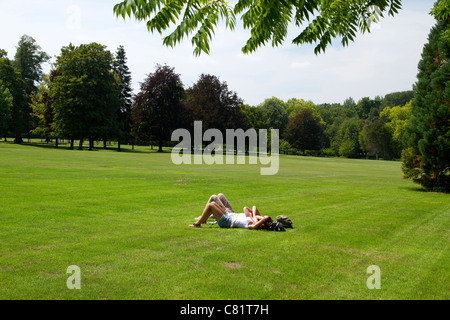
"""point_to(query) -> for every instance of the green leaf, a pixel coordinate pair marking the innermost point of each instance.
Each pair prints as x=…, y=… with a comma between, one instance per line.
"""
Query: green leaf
x=319, y=20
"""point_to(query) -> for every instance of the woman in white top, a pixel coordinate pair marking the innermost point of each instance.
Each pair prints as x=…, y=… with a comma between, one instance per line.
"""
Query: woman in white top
x=250, y=219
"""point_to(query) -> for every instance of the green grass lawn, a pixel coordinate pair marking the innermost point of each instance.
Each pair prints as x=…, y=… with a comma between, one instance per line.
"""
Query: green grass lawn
x=123, y=219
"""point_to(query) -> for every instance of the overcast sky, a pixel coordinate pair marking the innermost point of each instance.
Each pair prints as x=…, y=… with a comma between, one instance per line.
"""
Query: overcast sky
x=378, y=63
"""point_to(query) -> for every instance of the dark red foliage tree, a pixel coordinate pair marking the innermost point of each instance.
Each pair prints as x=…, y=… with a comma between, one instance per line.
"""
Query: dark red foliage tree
x=157, y=109
x=210, y=101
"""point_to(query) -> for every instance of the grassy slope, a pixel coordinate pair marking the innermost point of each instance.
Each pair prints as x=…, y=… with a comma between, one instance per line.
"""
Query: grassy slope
x=122, y=218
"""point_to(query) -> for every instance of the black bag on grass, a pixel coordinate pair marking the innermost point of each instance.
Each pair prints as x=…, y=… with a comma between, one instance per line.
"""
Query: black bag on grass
x=276, y=226
x=285, y=221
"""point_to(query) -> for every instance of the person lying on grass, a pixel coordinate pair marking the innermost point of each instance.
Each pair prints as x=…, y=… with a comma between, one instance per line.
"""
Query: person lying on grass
x=222, y=201
x=250, y=219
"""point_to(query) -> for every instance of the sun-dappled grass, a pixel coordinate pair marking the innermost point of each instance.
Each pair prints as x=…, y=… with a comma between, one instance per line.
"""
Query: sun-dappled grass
x=123, y=219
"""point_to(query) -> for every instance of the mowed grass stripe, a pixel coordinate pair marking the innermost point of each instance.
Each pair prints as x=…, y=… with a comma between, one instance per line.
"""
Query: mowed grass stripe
x=122, y=218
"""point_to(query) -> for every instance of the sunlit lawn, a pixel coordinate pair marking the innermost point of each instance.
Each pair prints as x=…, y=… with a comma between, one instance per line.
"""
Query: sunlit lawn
x=123, y=219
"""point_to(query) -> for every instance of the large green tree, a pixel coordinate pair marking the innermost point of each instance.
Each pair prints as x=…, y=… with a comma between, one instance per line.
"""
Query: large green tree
x=295, y=106
x=304, y=131
x=365, y=105
x=86, y=90
x=319, y=21
x=126, y=93
x=274, y=114
x=396, y=99
x=427, y=160
x=347, y=138
x=333, y=115
x=28, y=62
x=12, y=80
x=6, y=104
x=396, y=119
x=377, y=140
x=254, y=116
x=42, y=110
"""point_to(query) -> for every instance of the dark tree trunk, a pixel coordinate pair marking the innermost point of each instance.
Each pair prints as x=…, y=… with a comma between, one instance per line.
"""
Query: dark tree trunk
x=18, y=138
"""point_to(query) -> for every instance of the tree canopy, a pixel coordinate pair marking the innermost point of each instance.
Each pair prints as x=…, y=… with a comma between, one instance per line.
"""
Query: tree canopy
x=318, y=21
x=304, y=131
x=6, y=104
x=157, y=108
x=211, y=101
x=12, y=80
x=86, y=92
x=126, y=94
x=28, y=62
x=427, y=134
x=274, y=114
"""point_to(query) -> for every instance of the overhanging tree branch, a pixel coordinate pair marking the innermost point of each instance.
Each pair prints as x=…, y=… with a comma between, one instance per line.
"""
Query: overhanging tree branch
x=319, y=21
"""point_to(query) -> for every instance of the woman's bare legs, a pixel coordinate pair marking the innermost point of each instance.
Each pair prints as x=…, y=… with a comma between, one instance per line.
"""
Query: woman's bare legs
x=216, y=199
x=211, y=209
x=227, y=205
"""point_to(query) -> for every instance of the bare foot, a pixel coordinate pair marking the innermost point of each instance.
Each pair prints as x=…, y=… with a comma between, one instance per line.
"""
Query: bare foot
x=196, y=225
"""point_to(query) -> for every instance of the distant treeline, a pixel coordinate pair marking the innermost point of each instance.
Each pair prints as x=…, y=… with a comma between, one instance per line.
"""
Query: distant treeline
x=87, y=96
x=369, y=127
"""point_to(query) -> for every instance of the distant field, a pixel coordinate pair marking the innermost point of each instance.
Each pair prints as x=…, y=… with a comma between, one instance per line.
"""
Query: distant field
x=123, y=219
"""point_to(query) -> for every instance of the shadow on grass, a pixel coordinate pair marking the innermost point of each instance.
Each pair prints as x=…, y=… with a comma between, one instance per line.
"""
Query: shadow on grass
x=418, y=188
x=66, y=146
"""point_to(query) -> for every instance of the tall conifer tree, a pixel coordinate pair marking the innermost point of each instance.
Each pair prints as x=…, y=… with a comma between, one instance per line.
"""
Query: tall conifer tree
x=427, y=160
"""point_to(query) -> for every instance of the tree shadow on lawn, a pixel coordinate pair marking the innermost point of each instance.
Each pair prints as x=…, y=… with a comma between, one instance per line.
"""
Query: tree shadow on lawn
x=66, y=146
x=417, y=188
